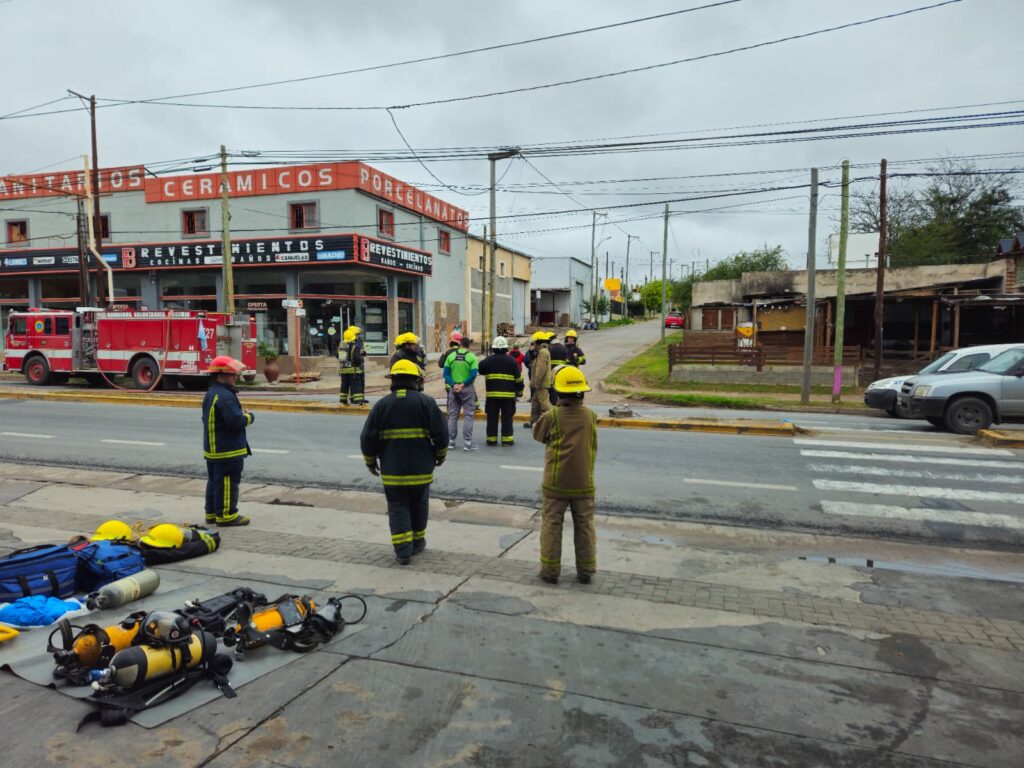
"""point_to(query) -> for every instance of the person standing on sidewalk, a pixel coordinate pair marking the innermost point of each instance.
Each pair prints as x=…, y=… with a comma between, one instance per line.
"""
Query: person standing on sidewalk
x=453, y=347
x=504, y=385
x=569, y=430
x=403, y=439
x=460, y=370
x=224, y=443
x=351, y=358
x=540, y=378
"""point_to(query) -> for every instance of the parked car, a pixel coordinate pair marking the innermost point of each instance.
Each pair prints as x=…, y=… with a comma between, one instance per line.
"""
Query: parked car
x=675, y=320
x=966, y=402
x=884, y=393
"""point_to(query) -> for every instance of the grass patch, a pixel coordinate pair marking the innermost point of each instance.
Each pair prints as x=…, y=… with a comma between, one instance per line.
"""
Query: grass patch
x=617, y=323
x=690, y=399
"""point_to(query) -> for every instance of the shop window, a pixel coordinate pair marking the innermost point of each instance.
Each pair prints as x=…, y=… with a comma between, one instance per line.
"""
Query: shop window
x=303, y=216
x=194, y=223
x=104, y=233
x=405, y=289
x=385, y=222
x=444, y=241
x=14, y=288
x=17, y=232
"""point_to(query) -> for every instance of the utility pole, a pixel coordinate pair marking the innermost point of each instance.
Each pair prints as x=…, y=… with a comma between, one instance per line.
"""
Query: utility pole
x=97, y=224
x=91, y=239
x=880, y=285
x=664, y=272
x=84, y=283
x=805, y=388
x=494, y=157
x=593, y=265
x=225, y=239
x=483, y=283
x=844, y=231
x=626, y=291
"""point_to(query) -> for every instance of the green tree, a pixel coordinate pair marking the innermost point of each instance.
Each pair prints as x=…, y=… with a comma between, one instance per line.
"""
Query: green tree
x=650, y=296
x=763, y=259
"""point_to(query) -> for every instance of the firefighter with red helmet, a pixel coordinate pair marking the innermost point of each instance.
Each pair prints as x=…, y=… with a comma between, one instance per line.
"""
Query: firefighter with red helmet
x=224, y=443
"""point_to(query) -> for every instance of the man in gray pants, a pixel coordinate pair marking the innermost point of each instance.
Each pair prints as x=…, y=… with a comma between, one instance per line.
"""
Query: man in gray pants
x=460, y=370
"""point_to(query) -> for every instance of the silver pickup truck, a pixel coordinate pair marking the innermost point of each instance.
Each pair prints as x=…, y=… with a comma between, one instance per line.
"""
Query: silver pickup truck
x=966, y=402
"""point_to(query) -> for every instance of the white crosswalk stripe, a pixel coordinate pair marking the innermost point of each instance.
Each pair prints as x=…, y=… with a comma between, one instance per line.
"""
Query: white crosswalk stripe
x=920, y=491
x=892, y=457
x=922, y=515
x=915, y=474
x=898, y=445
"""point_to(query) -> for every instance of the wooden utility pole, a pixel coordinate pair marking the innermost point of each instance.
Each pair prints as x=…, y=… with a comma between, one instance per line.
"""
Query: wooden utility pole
x=812, y=229
x=593, y=265
x=880, y=283
x=844, y=233
x=225, y=239
x=97, y=224
x=84, y=281
x=664, y=272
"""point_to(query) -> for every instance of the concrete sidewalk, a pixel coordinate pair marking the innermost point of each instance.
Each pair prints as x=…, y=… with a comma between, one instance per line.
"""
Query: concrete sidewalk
x=695, y=645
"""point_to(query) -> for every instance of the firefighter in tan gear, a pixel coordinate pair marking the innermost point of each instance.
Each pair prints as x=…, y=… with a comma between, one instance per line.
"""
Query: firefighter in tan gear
x=540, y=377
x=569, y=430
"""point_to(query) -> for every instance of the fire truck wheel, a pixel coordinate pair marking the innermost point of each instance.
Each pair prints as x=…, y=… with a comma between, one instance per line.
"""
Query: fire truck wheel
x=37, y=371
x=144, y=372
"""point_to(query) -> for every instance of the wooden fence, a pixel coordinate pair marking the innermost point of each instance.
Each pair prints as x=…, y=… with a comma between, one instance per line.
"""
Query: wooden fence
x=759, y=356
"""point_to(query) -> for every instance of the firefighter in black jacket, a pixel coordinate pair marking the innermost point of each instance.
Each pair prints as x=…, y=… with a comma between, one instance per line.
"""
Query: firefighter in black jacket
x=407, y=347
x=351, y=367
x=575, y=354
x=504, y=383
x=404, y=438
x=224, y=443
x=559, y=357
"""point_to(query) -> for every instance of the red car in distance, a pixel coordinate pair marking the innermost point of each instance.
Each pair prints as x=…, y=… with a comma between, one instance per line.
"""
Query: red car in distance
x=675, y=320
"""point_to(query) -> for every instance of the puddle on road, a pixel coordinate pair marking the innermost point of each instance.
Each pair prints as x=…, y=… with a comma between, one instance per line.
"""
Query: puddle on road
x=935, y=569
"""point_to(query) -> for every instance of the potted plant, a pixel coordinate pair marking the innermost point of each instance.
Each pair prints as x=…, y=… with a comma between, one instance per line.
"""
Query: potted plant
x=270, y=368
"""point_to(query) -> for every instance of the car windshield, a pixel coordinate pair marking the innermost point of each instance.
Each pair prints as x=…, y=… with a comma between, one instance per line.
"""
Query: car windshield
x=935, y=365
x=1003, y=362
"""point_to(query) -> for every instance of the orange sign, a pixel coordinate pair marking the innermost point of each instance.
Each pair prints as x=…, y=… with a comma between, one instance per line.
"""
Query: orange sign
x=307, y=178
x=54, y=183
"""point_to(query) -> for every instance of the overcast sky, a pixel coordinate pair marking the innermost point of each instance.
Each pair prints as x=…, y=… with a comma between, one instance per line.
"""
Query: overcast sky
x=967, y=53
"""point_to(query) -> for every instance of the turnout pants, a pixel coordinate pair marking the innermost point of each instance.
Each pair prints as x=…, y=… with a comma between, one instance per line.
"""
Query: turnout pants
x=407, y=515
x=222, y=479
x=584, y=535
x=352, y=386
x=505, y=409
x=464, y=401
x=540, y=403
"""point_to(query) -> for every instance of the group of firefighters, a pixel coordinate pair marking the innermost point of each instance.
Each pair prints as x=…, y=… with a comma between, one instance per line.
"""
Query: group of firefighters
x=406, y=436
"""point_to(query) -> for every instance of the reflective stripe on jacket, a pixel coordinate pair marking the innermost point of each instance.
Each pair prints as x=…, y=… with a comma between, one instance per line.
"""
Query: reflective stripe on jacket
x=502, y=377
x=224, y=423
x=559, y=354
x=351, y=358
x=408, y=434
x=576, y=356
x=569, y=430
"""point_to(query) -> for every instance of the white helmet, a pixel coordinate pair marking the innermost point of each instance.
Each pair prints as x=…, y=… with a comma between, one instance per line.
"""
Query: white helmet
x=500, y=342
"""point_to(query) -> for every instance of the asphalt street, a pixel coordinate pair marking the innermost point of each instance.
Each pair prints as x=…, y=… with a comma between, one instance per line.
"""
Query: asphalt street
x=921, y=486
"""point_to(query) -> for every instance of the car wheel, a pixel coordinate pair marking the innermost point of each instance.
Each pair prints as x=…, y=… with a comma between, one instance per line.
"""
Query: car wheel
x=144, y=372
x=37, y=371
x=967, y=415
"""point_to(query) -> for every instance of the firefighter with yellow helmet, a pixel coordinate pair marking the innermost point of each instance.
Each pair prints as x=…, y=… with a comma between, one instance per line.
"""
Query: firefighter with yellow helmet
x=404, y=438
x=407, y=347
x=569, y=430
x=575, y=354
x=351, y=367
x=540, y=376
x=225, y=446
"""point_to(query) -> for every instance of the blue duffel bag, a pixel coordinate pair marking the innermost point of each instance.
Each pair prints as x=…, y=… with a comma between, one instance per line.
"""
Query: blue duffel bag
x=47, y=570
x=101, y=562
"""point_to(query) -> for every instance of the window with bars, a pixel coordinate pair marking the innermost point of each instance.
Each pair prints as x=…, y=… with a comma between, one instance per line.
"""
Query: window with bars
x=194, y=222
x=385, y=222
x=17, y=232
x=303, y=216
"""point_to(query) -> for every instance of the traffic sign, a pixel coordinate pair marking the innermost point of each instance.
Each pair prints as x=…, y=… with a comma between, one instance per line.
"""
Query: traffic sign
x=291, y=303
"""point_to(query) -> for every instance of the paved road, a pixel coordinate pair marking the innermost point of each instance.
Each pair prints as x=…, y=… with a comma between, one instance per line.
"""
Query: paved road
x=933, y=487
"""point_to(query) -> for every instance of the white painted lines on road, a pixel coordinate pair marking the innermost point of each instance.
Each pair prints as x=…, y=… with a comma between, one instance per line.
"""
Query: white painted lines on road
x=920, y=491
x=907, y=447
x=32, y=435
x=916, y=474
x=885, y=511
x=355, y=456
x=895, y=457
x=739, y=484
x=517, y=468
x=132, y=442
x=273, y=450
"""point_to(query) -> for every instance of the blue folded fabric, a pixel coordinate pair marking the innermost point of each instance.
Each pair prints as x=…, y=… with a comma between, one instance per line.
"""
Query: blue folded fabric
x=36, y=611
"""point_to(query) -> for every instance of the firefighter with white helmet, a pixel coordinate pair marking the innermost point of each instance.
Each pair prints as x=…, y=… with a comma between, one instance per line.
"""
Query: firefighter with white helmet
x=225, y=446
x=569, y=430
x=503, y=382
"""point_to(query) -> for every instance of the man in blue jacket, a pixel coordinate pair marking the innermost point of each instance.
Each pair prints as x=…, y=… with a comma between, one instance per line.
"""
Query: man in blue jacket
x=224, y=444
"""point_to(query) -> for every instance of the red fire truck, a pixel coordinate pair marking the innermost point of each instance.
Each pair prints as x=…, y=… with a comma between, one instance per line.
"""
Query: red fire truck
x=50, y=346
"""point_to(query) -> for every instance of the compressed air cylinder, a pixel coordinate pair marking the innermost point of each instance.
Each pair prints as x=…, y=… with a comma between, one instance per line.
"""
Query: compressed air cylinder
x=124, y=590
x=139, y=664
x=88, y=646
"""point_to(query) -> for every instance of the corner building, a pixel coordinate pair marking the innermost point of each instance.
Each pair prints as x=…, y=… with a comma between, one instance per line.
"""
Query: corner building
x=356, y=245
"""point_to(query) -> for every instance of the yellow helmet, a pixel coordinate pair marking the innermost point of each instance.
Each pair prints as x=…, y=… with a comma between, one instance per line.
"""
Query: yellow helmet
x=405, y=368
x=348, y=337
x=570, y=380
x=570, y=334
x=165, y=535
x=112, y=530
x=356, y=330
x=406, y=338
x=539, y=336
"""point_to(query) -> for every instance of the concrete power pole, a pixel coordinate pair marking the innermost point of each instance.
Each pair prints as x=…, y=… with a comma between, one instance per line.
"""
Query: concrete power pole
x=880, y=283
x=484, y=273
x=844, y=231
x=664, y=273
x=626, y=292
x=490, y=325
x=225, y=237
x=593, y=265
x=805, y=388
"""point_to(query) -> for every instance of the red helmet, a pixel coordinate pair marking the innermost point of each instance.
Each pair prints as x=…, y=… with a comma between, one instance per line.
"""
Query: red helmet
x=225, y=364
x=455, y=337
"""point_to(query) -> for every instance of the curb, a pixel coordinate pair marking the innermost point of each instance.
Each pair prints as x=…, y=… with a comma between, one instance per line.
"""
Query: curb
x=1000, y=439
x=729, y=427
